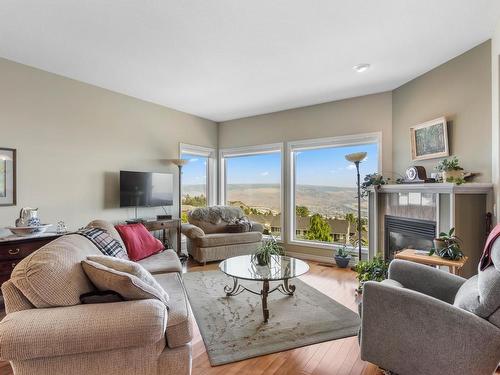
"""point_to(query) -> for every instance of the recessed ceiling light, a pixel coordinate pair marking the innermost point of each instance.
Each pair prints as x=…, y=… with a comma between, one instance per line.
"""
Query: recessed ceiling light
x=360, y=68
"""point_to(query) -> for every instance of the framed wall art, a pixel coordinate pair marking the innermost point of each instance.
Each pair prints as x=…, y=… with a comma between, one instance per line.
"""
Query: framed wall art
x=7, y=177
x=429, y=140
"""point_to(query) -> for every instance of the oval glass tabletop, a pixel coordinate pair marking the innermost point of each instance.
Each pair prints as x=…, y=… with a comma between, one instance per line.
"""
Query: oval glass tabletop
x=279, y=268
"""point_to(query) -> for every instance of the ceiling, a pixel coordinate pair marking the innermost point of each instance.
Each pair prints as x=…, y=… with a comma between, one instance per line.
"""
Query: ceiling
x=227, y=59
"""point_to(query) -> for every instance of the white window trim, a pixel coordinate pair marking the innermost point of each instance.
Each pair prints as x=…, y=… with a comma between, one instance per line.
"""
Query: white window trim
x=248, y=151
x=211, y=154
x=310, y=144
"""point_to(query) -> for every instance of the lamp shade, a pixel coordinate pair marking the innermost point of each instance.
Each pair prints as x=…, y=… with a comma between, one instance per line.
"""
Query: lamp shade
x=179, y=162
x=356, y=157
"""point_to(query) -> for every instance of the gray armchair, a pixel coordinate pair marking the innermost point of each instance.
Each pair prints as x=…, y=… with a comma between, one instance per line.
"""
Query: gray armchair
x=208, y=237
x=426, y=321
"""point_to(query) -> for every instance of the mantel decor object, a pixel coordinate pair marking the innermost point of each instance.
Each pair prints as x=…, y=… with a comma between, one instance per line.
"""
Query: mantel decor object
x=429, y=140
x=7, y=176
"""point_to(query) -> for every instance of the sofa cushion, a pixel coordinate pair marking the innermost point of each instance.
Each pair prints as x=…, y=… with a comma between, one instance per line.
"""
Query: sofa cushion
x=208, y=227
x=214, y=219
x=127, y=278
x=179, y=323
x=139, y=242
x=166, y=261
x=108, y=227
x=495, y=318
x=224, y=239
x=481, y=293
x=104, y=242
x=391, y=282
x=52, y=275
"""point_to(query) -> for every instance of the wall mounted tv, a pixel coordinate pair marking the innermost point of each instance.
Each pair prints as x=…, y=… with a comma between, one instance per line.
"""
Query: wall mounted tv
x=146, y=189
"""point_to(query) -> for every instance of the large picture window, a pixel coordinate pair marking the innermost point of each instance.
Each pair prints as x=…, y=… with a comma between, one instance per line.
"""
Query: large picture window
x=252, y=180
x=197, y=177
x=323, y=189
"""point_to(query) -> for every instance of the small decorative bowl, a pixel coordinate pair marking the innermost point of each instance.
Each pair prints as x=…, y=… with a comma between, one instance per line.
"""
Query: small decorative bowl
x=29, y=231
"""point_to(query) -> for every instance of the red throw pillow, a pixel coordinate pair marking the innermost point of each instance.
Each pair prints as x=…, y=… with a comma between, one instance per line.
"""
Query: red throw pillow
x=140, y=243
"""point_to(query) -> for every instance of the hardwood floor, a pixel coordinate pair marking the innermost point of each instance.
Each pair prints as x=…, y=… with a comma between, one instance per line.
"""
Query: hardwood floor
x=339, y=357
x=333, y=357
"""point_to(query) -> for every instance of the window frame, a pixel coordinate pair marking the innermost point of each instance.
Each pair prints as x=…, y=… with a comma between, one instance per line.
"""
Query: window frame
x=211, y=173
x=318, y=143
x=249, y=151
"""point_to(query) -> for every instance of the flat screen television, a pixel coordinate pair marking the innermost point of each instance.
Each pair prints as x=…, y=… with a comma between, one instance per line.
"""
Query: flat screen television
x=146, y=189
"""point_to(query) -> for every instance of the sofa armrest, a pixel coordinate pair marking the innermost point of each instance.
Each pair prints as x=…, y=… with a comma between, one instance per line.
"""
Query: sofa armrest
x=257, y=227
x=427, y=280
x=192, y=231
x=38, y=333
x=421, y=334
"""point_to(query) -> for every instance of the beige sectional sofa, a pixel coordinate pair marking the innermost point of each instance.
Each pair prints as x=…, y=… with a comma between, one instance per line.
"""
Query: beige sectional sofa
x=208, y=238
x=47, y=331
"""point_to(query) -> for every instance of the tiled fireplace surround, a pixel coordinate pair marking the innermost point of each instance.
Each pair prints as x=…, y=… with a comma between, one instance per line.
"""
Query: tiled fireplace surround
x=411, y=215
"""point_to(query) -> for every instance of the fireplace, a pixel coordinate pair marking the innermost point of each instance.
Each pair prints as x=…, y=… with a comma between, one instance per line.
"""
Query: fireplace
x=406, y=233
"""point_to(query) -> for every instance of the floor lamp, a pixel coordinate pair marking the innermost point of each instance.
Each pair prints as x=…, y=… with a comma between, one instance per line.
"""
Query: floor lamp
x=357, y=158
x=180, y=163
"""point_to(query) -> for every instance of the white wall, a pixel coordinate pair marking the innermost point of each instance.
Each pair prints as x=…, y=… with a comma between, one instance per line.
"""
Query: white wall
x=72, y=140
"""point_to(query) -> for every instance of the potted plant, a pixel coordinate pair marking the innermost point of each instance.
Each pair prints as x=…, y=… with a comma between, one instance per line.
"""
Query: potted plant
x=373, y=270
x=376, y=180
x=342, y=257
x=268, y=248
x=447, y=246
x=451, y=170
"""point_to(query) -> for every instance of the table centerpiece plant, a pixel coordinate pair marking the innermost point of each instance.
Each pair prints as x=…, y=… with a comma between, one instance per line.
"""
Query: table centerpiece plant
x=265, y=251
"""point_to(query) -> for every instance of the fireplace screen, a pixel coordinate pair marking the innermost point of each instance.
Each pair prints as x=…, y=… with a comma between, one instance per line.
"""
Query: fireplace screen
x=404, y=233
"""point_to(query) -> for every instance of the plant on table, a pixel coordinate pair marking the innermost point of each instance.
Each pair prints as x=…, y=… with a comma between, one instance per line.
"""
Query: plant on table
x=447, y=246
x=373, y=270
x=265, y=251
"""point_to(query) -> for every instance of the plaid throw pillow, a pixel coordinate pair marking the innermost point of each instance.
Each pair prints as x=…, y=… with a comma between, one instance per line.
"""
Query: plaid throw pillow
x=104, y=242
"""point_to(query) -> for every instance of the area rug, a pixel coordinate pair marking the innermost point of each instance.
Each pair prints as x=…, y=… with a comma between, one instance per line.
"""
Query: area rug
x=233, y=328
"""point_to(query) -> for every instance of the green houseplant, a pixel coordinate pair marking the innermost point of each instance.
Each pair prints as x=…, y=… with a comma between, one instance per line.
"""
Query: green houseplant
x=268, y=248
x=374, y=180
x=451, y=170
x=373, y=270
x=342, y=257
x=447, y=246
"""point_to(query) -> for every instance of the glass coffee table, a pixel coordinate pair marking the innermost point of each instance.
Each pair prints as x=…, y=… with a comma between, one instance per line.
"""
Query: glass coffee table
x=280, y=268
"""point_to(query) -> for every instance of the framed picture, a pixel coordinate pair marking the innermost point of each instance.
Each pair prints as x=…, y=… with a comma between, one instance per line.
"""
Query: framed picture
x=429, y=140
x=7, y=177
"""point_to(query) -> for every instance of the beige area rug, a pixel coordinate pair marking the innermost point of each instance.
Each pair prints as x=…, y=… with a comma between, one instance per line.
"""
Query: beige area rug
x=233, y=328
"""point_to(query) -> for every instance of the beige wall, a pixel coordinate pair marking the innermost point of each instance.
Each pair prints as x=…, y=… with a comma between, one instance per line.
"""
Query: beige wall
x=73, y=138
x=366, y=114
x=460, y=90
x=495, y=115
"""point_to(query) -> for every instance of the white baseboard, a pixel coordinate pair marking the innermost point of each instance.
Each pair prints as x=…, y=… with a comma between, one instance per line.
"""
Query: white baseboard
x=317, y=258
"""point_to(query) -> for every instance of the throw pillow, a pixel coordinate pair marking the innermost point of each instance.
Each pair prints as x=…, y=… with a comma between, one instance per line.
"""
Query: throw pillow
x=241, y=225
x=140, y=243
x=104, y=242
x=124, y=277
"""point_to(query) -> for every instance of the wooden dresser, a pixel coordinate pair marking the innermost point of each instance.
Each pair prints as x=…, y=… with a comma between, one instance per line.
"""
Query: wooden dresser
x=14, y=249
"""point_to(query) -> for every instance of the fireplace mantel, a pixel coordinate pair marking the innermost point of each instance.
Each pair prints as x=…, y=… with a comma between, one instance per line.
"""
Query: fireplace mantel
x=467, y=188
x=463, y=207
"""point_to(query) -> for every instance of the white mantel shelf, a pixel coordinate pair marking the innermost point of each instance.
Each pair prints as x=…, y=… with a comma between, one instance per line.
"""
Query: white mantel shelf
x=466, y=188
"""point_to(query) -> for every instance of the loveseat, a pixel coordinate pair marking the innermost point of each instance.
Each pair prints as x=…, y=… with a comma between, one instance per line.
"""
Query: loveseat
x=208, y=236
x=422, y=320
x=48, y=331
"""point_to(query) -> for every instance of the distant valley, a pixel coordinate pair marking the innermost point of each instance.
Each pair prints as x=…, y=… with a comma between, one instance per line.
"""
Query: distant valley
x=329, y=201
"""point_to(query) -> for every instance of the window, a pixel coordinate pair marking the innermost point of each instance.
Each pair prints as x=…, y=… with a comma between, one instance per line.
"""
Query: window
x=251, y=178
x=197, y=177
x=323, y=189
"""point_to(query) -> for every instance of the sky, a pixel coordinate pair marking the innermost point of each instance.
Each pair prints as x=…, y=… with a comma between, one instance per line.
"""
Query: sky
x=322, y=167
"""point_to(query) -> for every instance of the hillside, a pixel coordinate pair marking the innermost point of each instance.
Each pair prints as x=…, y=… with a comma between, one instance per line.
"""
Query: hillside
x=326, y=200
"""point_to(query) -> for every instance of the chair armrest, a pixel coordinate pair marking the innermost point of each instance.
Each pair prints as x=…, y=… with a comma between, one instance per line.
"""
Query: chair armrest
x=192, y=231
x=37, y=333
x=427, y=280
x=408, y=332
x=257, y=227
